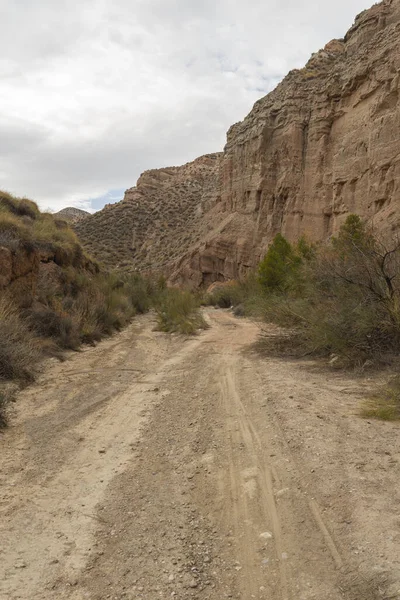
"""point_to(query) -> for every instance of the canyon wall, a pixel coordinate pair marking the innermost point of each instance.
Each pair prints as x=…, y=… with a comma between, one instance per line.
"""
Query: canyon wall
x=323, y=144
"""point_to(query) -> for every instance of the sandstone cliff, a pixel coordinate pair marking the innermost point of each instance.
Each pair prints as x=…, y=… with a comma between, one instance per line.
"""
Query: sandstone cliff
x=323, y=144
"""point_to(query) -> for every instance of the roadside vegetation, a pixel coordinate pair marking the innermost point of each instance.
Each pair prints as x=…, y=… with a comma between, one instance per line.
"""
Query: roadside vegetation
x=53, y=296
x=340, y=300
x=385, y=403
x=178, y=311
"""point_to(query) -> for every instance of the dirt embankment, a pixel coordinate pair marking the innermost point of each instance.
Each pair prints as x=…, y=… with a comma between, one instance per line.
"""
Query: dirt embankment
x=157, y=467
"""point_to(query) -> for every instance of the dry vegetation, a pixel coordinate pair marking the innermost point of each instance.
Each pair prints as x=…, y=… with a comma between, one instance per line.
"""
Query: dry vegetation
x=178, y=312
x=385, y=403
x=340, y=300
x=67, y=300
x=156, y=222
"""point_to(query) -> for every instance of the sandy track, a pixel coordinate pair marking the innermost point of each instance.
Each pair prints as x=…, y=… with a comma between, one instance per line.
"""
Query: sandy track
x=156, y=467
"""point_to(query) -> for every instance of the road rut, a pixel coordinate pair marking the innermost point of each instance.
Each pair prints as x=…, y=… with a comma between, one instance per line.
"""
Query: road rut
x=155, y=466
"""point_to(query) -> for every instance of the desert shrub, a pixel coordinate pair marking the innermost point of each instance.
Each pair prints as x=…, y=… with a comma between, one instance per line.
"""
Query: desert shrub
x=178, y=312
x=385, y=404
x=353, y=296
x=20, y=219
x=279, y=265
x=342, y=297
x=140, y=292
x=19, y=348
x=13, y=227
x=246, y=296
x=224, y=295
x=59, y=326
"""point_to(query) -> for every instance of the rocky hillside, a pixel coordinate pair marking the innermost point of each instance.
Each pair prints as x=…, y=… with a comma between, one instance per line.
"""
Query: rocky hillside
x=36, y=249
x=158, y=221
x=323, y=144
x=71, y=214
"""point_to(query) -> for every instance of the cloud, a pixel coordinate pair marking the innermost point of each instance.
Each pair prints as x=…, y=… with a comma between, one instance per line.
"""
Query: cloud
x=95, y=92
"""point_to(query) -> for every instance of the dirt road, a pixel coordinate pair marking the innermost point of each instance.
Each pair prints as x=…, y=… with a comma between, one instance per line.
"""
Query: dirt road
x=156, y=467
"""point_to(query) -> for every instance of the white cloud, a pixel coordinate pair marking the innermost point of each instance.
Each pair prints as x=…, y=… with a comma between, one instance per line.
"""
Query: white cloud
x=96, y=91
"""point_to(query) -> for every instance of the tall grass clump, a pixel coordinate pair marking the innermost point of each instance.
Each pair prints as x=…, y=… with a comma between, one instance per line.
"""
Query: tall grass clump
x=89, y=306
x=19, y=347
x=179, y=312
x=384, y=404
x=21, y=221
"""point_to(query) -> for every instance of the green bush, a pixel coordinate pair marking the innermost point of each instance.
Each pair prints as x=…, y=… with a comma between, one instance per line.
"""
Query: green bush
x=224, y=295
x=178, y=312
x=341, y=298
x=279, y=265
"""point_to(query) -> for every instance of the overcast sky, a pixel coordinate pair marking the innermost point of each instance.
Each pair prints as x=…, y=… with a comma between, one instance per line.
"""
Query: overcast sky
x=93, y=92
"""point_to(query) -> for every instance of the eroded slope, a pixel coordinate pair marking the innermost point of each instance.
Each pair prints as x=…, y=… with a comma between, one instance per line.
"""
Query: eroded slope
x=158, y=220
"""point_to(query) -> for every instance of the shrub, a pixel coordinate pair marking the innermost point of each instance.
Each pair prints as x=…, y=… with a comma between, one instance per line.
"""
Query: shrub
x=280, y=263
x=13, y=227
x=341, y=298
x=59, y=326
x=224, y=295
x=385, y=404
x=178, y=312
x=19, y=348
x=21, y=207
x=140, y=293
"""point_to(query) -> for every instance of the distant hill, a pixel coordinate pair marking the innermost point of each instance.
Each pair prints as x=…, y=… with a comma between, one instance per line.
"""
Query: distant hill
x=157, y=221
x=72, y=215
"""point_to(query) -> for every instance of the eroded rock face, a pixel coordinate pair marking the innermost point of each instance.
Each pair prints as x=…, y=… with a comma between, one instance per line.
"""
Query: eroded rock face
x=19, y=268
x=323, y=144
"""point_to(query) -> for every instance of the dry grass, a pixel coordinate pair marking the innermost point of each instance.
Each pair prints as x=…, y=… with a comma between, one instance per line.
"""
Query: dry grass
x=20, y=349
x=73, y=301
x=22, y=222
x=21, y=207
x=385, y=404
x=178, y=312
